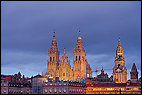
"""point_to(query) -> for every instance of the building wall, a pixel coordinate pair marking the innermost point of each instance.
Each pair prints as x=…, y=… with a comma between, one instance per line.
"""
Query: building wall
x=63, y=87
x=20, y=90
x=113, y=90
x=4, y=87
x=37, y=83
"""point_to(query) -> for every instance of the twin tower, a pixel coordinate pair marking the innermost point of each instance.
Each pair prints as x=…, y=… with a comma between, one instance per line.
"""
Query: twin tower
x=81, y=69
x=62, y=69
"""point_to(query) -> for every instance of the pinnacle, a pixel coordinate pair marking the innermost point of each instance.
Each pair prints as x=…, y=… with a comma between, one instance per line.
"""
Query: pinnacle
x=64, y=52
x=54, y=34
x=119, y=43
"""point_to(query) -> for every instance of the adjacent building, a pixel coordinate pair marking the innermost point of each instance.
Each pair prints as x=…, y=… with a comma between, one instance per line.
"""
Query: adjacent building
x=99, y=86
x=134, y=74
x=103, y=77
x=113, y=88
x=15, y=84
x=37, y=84
x=64, y=87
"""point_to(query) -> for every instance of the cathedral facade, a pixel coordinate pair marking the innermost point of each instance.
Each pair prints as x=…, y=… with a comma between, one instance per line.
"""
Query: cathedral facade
x=62, y=68
x=119, y=70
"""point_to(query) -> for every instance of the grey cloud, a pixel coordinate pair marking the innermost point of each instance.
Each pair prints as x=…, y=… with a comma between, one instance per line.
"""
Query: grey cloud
x=29, y=26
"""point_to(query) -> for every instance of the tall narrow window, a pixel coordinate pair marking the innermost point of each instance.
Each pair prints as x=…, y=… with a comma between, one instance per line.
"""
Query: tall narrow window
x=63, y=74
x=118, y=65
x=79, y=58
x=53, y=58
x=76, y=58
x=50, y=58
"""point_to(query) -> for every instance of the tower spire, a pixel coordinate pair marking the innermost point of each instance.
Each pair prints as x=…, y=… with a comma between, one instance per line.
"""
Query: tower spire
x=54, y=43
x=119, y=43
x=79, y=33
x=134, y=69
x=53, y=34
x=134, y=73
x=79, y=37
x=64, y=52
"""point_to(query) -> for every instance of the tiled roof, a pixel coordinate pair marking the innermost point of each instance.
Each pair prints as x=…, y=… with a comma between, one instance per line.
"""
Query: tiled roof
x=133, y=84
x=39, y=76
x=6, y=78
x=102, y=75
x=107, y=85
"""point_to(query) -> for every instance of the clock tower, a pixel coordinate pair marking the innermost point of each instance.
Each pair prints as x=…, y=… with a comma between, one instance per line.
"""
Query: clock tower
x=119, y=70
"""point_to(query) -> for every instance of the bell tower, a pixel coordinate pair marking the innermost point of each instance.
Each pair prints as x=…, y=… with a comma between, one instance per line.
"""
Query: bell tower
x=53, y=58
x=79, y=61
x=119, y=70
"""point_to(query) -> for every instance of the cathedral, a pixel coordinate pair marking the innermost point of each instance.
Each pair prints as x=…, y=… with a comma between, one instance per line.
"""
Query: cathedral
x=119, y=71
x=62, y=68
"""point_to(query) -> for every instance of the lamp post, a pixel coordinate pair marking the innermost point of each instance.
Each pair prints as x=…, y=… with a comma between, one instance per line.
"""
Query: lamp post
x=120, y=90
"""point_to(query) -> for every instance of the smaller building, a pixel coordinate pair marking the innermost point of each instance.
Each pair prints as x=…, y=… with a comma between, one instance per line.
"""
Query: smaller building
x=96, y=87
x=4, y=86
x=37, y=82
x=134, y=74
x=103, y=77
x=19, y=88
x=15, y=84
x=64, y=87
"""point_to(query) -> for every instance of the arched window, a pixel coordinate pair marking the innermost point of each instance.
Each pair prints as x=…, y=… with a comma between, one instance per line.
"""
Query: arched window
x=63, y=74
x=50, y=58
x=76, y=58
x=118, y=65
x=79, y=58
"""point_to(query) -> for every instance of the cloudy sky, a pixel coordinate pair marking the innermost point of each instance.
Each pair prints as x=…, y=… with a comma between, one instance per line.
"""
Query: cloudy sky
x=27, y=30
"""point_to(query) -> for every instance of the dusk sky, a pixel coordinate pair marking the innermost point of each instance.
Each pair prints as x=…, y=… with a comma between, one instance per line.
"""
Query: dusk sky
x=27, y=30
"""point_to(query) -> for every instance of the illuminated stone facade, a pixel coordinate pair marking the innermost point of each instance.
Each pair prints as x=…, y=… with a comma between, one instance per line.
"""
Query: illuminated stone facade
x=62, y=69
x=93, y=87
x=64, y=87
x=57, y=68
x=79, y=61
x=53, y=61
x=119, y=71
